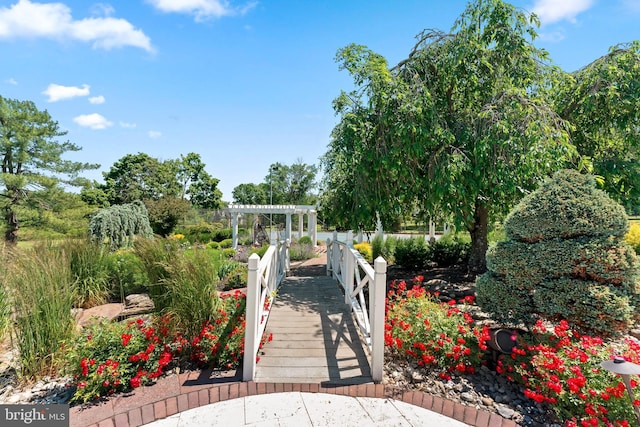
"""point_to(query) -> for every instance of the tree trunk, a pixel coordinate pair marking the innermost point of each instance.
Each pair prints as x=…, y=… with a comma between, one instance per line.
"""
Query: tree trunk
x=479, y=243
x=11, y=235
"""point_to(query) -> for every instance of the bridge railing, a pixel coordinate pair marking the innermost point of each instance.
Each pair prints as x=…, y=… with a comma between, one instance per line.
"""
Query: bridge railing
x=264, y=278
x=355, y=274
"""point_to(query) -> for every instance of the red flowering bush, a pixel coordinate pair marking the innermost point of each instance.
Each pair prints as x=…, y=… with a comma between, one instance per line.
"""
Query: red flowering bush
x=435, y=334
x=111, y=357
x=220, y=343
x=561, y=367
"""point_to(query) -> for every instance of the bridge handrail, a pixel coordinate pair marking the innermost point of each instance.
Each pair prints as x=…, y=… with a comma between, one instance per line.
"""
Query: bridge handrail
x=354, y=273
x=264, y=277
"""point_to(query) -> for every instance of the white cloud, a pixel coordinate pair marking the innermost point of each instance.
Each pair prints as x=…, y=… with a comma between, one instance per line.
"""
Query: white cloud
x=153, y=134
x=551, y=11
x=552, y=37
x=12, y=81
x=92, y=121
x=54, y=21
x=128, y=125
x=102, y=9
x=58, y=93
x=97, y=99
x=201, y=9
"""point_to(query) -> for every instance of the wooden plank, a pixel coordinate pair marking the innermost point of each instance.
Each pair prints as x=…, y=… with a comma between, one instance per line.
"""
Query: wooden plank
x=315, y=339
x=319, y=351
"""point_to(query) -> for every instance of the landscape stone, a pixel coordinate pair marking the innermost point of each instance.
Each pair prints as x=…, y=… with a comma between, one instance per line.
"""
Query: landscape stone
x=100, y=312
x=504, y=411
x=137, y=304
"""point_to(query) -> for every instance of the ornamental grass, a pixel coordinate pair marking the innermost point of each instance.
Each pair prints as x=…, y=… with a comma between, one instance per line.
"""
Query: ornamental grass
x=40, y=287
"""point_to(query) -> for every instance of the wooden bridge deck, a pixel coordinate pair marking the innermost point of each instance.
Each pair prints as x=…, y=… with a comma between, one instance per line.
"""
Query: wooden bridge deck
x=315, y=339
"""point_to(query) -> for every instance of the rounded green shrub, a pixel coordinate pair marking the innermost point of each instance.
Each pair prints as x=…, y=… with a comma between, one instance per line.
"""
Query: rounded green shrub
x=450, y=250
x=412, y=253
x=305, y=240
x=228, y=252
x=226, y=243
x=222, y=234
x=564, y=258
x=567, y=206
x=507, y=302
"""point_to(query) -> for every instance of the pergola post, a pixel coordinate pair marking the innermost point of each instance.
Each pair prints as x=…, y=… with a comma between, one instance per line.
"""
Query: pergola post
x=300, y=224
x=287, y=228
x=313, y=227
x=234, y=227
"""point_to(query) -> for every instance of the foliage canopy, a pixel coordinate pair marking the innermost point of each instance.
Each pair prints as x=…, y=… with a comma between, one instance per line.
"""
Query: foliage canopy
x=284, y=184
x=32, y=159
x=472, y=120
x=455, y=129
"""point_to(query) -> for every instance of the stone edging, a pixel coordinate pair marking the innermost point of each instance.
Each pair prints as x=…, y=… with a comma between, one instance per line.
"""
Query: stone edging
x=164, y=406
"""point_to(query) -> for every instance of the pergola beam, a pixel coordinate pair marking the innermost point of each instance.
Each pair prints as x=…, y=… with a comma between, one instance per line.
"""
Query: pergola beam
x=310, y=210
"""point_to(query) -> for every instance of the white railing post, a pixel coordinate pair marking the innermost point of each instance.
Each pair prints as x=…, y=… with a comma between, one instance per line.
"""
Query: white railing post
x=376, y=313
x=251, y=331
x=273, y=271
x=287, y=256
x=349, y=268
x=335, y=252
x=329, y=260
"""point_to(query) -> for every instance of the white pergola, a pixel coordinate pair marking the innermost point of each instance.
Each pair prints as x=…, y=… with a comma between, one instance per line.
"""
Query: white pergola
x=311, y=211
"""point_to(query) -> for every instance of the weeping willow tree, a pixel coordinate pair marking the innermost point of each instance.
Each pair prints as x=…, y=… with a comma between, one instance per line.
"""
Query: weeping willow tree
x=118, y=224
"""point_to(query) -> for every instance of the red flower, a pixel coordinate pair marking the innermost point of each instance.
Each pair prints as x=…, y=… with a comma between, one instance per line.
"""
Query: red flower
x=125, y=339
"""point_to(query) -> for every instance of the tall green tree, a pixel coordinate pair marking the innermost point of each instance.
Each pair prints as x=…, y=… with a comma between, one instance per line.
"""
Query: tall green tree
x=602, y=103
x=291, y=185
x=142, y=177
x=251, y=194
x=196, y=184
x=32, y=158
x=456, y=127
x=93, y=194
x=284, y=184
x=139, y=177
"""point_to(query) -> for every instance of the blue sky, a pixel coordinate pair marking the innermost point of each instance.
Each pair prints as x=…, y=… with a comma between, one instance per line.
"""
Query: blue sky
x=243, y=84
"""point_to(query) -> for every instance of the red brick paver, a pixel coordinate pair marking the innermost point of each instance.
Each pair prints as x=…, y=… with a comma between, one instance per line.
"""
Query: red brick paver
x=167, y=404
